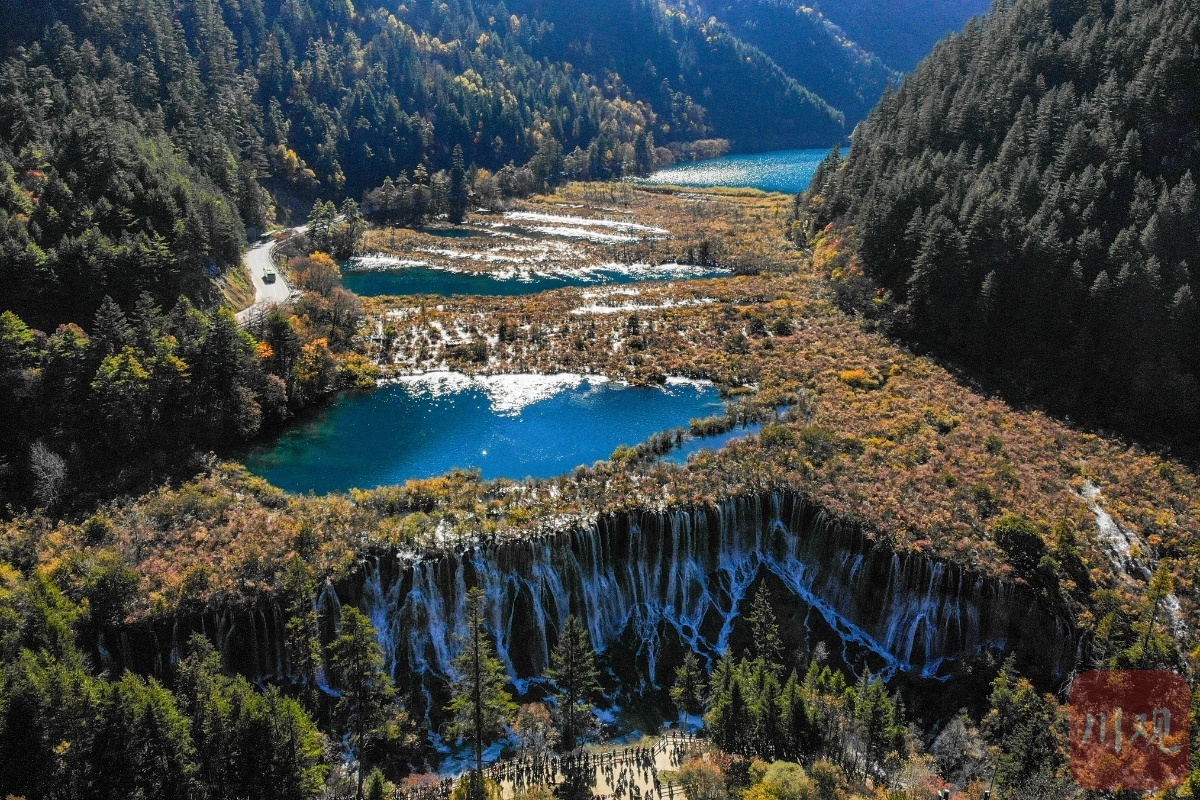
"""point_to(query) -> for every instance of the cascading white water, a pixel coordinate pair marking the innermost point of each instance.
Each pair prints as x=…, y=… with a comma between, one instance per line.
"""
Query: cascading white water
x=683, y=575
x=649, y=585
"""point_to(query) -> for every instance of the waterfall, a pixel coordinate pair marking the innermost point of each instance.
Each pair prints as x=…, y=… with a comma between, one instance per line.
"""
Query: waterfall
x=650, y=585
x=652, y=582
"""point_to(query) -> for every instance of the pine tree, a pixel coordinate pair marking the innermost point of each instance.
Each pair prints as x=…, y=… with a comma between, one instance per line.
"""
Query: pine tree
x=366, y=689
x=301, y=639
x=481, y=705
x=769, y=738
x=1025, y=729
x=875, y=723
x=376, y=786
x=728, y=718
x=800, y=734
x=458, y=187
x=766, y=644
x=573, y=670
x=1155, y=648
x=688, y=692
x=111, y=331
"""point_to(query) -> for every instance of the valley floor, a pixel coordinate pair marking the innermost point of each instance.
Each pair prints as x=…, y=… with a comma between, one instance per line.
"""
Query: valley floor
x=873, y=433
x=876, y=436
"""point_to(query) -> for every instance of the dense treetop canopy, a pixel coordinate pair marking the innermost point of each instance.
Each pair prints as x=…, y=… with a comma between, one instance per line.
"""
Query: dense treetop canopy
x=141, y=140
x=1028, y=199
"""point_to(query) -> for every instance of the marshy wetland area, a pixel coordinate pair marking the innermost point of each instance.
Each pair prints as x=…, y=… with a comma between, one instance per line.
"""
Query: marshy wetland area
x=873, y=436
x=646, y=455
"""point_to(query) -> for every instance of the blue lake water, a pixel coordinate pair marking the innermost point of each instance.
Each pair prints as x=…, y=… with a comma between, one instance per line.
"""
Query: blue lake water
x=681, y=454
x=788, y=171
x=426, y=280
x=505, y=426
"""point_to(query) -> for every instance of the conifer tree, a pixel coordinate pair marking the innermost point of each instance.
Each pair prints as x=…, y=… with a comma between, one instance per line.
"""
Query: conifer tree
x=457, y=199
x=366, y=689
x=728, y=718
x=876, y=726
x=573, y=670
x=688, y=693
x=766, y=644
x=1025, y=729
x=800, y=734
x=481, y=705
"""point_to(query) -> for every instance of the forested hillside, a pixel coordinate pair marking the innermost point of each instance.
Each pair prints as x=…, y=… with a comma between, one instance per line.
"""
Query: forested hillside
x=139, y=140
x=901, y=32
x=1028, y=200
x=701, y=78
x=810, y=48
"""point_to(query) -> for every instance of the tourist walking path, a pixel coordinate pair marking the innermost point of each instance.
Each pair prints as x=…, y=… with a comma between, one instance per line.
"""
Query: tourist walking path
x=621, y=773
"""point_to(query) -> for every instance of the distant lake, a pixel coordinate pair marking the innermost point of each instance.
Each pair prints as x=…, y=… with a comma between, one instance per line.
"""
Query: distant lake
x=507, y=426
x=787, y=171
x=428, y=280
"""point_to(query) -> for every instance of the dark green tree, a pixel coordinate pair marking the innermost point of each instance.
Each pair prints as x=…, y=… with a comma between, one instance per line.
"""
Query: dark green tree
x=689, y=693
x=877, y=726
x=481, y=704
x=459, y=188
x=367, y=694
x=728, y=718
x=573, y=670
x=765, y=644
x=143, y=747
x=1028, y=735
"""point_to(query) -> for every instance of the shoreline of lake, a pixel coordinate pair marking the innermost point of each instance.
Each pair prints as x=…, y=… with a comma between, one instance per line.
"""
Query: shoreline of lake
x=785, y=171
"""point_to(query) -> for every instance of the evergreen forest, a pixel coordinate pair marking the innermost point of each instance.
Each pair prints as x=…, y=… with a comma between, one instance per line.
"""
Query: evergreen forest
x=141, y=142
x=1027, y=203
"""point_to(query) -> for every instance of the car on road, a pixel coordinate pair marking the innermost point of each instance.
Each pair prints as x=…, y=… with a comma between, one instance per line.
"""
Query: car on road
x=269, y=275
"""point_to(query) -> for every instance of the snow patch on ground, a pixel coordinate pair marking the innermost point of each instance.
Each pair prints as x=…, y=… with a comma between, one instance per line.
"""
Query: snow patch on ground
x=595, y=293
x=527, y=263
x=679, y=380
x=584, y=234
x=663, y=271
x=381, y=261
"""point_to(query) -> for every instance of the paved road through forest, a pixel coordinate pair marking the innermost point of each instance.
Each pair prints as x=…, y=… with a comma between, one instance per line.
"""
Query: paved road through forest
x=266, y=295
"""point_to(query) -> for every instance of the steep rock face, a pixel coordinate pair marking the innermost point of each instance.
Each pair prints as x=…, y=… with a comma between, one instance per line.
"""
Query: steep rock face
x=649, y=584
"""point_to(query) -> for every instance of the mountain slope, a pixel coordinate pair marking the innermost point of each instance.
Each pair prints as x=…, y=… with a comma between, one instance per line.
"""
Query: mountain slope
x=811, y=49
x=140, y=137
x=682, y=63
x=1029, y=198
x=900, y=32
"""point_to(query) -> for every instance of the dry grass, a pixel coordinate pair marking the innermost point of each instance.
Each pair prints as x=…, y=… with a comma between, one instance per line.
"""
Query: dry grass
x=874, y=434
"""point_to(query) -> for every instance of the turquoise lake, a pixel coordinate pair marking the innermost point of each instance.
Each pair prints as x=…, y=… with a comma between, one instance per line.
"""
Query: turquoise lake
x=504, y=426
x=509, y=426
x=427, y=280
x=788, y=171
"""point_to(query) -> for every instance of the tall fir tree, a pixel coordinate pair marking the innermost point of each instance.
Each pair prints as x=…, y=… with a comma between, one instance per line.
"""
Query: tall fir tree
x=688, y=692
x=481, y=704
x=766, y=644
x=457, y=200
x=573, y=670
x=366, y=689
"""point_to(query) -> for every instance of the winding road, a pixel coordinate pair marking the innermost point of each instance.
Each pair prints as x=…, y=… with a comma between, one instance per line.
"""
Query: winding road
x=266, y=295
